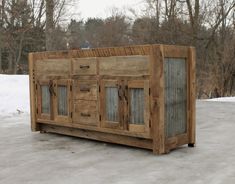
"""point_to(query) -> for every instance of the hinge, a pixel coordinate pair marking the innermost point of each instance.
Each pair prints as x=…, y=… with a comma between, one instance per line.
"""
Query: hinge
x=99, y=88
x=100, y=117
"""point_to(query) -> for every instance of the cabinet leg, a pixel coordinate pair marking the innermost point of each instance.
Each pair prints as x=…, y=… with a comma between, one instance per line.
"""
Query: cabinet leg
x=191, y=145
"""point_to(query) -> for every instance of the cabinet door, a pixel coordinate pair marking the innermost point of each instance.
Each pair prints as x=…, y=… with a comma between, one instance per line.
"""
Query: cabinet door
x=138, y=106
x=44, y=99
x=62, y=98
x=111, y=104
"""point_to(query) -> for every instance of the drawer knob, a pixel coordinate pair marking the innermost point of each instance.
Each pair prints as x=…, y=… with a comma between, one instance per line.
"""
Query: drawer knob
x=85, y=89
x=84, y=66
x=85, y=115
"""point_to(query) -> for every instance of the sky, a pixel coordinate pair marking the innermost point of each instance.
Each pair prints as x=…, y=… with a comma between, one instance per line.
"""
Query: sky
x=102, y=8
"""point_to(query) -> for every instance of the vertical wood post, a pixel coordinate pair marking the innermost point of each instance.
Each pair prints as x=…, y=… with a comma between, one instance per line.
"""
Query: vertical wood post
x=192, y=96
x=157, y=98
x=34, y=126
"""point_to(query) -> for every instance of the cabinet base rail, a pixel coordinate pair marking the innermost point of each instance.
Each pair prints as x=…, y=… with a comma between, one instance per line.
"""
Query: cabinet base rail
x=171, y=143
x=98, y=136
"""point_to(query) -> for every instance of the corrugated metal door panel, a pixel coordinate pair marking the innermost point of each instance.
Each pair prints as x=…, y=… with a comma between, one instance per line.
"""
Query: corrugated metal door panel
x=62, y=97
x=137, y=106
x=46, y=99
x=111, y=106
x=175, y=96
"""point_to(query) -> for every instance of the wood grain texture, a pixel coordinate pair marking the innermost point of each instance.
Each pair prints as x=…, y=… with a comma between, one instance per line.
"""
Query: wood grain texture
x=39, y=99
x=84, y=66
x=174, y=142
x=157, y=86
x=85, y=112
x=144, y=110
x=85, y=89
x=52, y=67
x=32, y=92
x=124, y=66
x=100, y=136
x=57, y=116
x=192, y=95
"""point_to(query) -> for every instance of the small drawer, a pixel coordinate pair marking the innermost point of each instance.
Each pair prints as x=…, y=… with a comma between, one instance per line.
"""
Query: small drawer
x=84, y=66
x=85, y=90
x=85, y=112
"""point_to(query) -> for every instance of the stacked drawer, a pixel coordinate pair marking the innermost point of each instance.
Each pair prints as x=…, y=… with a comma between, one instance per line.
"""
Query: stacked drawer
x=85, y=92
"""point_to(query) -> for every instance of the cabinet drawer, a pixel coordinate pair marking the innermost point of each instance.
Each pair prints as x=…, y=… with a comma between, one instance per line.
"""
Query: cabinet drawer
x=124, y=66
x=85, y=90
x=85, y=112
x=84, y=66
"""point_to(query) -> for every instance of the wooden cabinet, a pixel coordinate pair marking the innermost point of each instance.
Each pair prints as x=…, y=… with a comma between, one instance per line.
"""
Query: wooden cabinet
x=141, y=96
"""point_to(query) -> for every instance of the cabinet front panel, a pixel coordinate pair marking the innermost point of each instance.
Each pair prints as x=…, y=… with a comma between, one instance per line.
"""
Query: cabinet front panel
x=85, y=90
x=124, y=66
x=111, y=105
x=52, y=67
x=137, y=106
x=85, y=112
x=84, y=66
x=45, y=100
x=62, y=98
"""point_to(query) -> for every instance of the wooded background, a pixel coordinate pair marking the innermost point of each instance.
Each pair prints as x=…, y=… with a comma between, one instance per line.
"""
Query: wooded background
x=39, y=25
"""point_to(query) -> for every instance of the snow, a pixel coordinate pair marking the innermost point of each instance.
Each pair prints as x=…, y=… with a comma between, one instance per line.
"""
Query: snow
x=14, y=94
x=222, y=99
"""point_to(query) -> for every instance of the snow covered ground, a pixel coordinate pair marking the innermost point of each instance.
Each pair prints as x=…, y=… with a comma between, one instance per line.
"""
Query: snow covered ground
x=35, y=158
x=222, y=99
x=14, y=94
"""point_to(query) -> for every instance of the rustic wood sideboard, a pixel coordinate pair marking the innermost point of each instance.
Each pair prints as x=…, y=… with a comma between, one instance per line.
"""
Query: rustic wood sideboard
x=142, y=96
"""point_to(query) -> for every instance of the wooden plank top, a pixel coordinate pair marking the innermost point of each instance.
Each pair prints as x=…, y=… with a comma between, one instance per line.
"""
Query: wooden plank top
x=178, y=51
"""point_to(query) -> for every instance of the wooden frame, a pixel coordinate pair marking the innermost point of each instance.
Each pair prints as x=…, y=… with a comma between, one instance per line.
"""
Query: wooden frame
x=40, y=114
x=67, y=84
x=139, y=84
x=104, y=122
x=137, y=75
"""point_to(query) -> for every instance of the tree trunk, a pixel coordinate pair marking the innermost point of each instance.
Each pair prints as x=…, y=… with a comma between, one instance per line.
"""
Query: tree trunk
x=1, y=35
x=10, y=63
x=50, y=25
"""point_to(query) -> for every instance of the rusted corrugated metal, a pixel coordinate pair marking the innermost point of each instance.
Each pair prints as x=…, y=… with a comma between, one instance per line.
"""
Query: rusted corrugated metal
x=62, y=101
x=137, y=106
x=45, y=99
x=175, y=96
x=111, y=104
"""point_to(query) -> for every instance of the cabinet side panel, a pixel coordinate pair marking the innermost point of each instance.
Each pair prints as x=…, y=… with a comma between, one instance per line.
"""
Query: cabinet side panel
x=32, y=92
x=175, y=96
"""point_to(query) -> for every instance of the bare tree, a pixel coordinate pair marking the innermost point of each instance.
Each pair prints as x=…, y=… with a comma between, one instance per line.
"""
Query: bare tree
x=50, y=7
